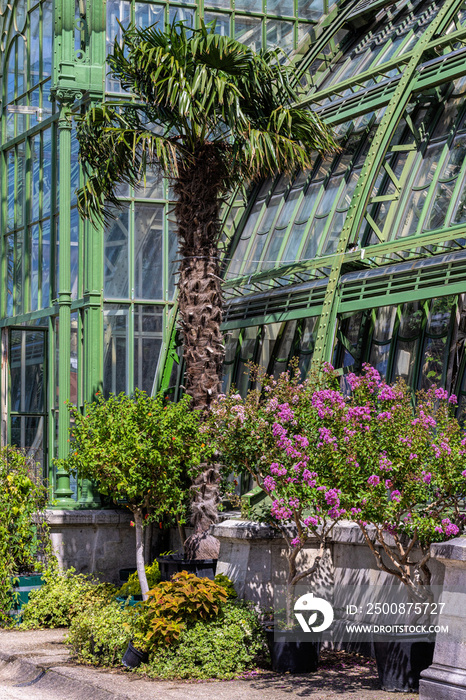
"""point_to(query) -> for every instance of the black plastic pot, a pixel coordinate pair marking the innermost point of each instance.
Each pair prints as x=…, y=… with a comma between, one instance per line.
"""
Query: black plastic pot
x=288, y=653
x=173, y=563
x=132, y=658
x=401, y=659
x=125, y=574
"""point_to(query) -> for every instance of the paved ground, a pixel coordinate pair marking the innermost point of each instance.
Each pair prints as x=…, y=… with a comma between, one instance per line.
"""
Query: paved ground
x=25, y=655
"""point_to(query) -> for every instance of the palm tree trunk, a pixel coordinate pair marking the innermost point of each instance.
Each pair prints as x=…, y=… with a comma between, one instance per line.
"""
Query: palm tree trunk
x=198, y=189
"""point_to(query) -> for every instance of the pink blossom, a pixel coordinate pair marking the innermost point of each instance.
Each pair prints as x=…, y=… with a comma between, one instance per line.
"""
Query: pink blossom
x=396, y=496
x=373, y=480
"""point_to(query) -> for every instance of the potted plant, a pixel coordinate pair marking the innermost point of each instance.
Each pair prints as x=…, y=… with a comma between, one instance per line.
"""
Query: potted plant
x=271, y=435
x=25, y=547
x=405, y=488
x=140, y=448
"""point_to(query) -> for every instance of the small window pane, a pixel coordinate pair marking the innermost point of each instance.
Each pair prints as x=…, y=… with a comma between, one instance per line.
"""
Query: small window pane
x=148, y=246
x=148, y=325
x=384, y=322
x=116, y=256
x=248, y=30
x=115, y=349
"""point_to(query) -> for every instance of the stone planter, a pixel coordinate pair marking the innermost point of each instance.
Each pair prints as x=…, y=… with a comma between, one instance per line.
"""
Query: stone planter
x=445, y=679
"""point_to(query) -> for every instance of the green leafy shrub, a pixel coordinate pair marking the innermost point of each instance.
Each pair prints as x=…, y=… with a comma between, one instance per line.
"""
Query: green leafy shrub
x=221, y=647
x=63, y=596
x=145, y=450
x=100, y=634
x=227, y=584
x=132, y=585
x=24, y=536
x=174, y=605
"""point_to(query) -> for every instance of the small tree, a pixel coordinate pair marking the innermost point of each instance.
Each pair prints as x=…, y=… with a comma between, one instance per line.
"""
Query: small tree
x=140, y=449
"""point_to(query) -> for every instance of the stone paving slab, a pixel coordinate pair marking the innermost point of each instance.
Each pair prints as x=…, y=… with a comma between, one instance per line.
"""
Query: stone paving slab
x=24, y=655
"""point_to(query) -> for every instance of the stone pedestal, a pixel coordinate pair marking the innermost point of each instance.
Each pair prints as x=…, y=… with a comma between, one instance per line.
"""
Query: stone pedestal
x=446, y=678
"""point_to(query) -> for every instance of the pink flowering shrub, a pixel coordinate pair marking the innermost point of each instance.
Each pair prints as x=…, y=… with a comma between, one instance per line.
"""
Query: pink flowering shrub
x=282, y=437
x=405, y=478
x=398, y=471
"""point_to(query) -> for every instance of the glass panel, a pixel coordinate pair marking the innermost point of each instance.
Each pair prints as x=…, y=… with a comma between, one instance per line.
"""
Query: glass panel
x=10, y=241
x=152, y=187
x=27, y=371
x=281, y=7
x=456, y=158
x=405, y=357
x=34, y=46
x=411, y=319
x=74, y=252
x=116, y=255
x=384, y=322
x=249, y=5
x=283, y=352
x=148, y=326
x=46, y=171
x=378, y=358
x=172, y=259
x=74, y=166
x=116, y=10
x=269, y=338
x=412, y=213
x=310, y=9
x=280, y=34
x=182, y=14
x=27, y=432
x=47, y=38
x=313, y=239
x=11, y=189
x=18, y=273
x=439, y=316
x=35, y=158
x=231, y=346
x=145, y=15
x=307, y=343
x=148, y=251
x=34, y=243
x=441, y=201
x=115, y=349
x=222, y=22
x=45, y=264
x=248, y=30
x=433, y=362
x=74, y=358
x=248, y=346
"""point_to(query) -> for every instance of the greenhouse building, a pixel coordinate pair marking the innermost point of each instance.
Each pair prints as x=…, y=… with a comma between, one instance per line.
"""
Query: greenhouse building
x=361, y=259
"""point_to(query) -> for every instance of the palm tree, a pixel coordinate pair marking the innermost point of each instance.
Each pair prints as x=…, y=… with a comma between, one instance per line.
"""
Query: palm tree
x=209, y=113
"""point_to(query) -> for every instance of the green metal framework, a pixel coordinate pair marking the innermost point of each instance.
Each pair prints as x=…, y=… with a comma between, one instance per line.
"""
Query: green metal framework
x=81, y=309
x=361, y=259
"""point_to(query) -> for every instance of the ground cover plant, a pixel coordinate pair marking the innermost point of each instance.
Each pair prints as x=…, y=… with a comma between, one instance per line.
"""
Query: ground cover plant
x=190, y=627
x=64, y=595
x=141, y=450
x=24, y=537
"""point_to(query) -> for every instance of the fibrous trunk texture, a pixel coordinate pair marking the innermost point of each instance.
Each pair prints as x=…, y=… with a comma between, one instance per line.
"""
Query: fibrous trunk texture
x=197, y=210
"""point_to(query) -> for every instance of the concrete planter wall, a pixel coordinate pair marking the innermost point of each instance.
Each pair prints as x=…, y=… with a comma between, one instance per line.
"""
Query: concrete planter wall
x=253, y=556
x=93, y=541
